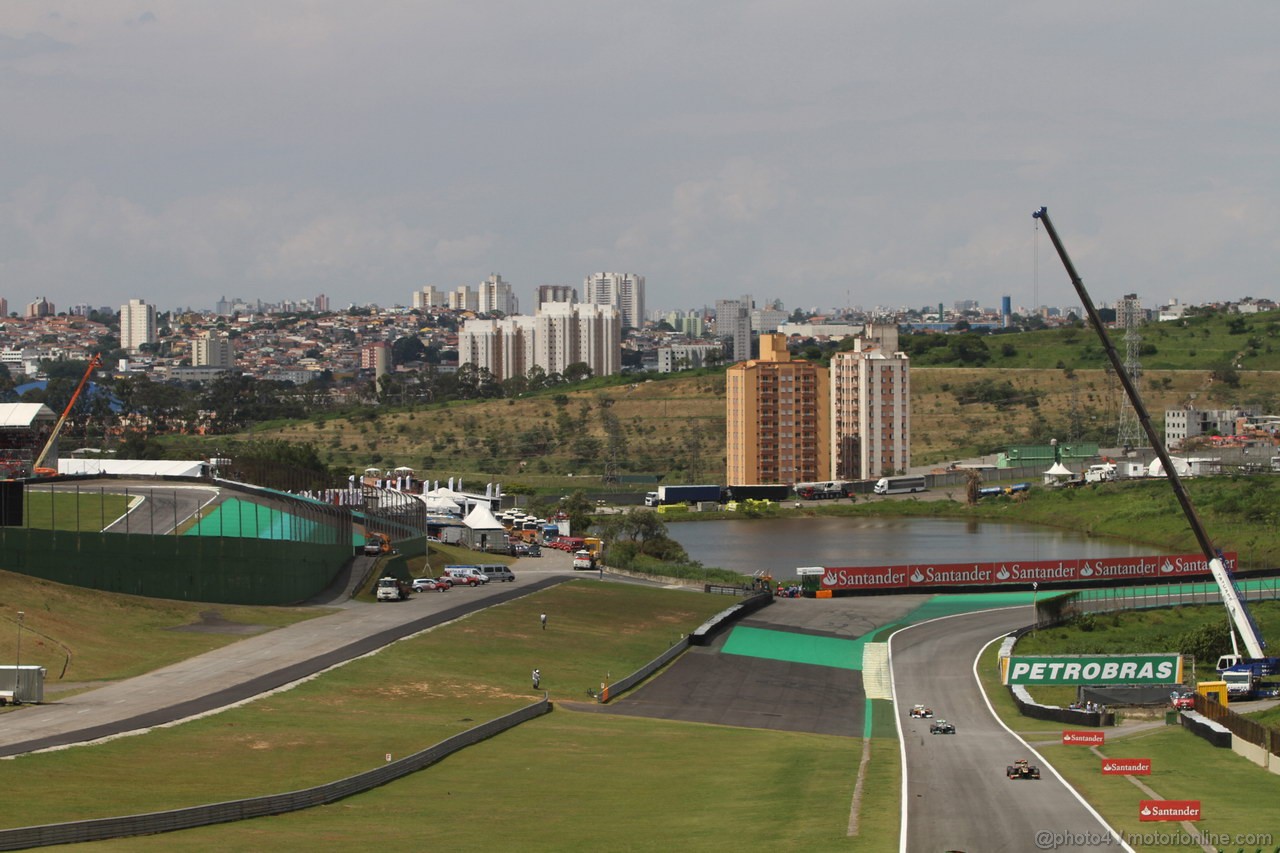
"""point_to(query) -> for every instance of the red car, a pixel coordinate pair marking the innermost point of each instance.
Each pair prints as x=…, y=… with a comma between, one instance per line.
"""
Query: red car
x=1184, y=701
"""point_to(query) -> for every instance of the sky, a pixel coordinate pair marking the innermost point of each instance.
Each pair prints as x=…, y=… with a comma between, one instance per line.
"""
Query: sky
x=826, y=154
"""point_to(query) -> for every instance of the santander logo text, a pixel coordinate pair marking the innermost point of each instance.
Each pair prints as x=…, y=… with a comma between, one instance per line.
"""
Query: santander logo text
x=1126, y=766
x=1169, y=810
x=1070, y=738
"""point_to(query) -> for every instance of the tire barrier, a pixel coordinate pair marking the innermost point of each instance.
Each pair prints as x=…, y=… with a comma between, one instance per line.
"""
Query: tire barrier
x=100, y=829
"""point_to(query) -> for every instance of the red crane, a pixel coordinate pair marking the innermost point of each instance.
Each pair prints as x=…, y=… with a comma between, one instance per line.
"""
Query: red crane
x=36, y=471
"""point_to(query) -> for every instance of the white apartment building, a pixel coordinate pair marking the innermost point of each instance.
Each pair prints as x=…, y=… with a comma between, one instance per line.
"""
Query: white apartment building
x=137, y=324
x=559, y=335
x=685, y=356
x=623, y=291
x=733, y=320
x=212, y=349
x=871, y=407
x=464, y=299
x=430, y=297
x=494, y=296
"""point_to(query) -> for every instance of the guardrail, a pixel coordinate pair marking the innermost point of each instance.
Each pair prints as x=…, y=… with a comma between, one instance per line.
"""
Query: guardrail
x=1240, y=726
x=100, y=829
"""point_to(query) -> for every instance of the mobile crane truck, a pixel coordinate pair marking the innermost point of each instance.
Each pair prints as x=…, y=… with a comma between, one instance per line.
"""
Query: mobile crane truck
x=1242, y=673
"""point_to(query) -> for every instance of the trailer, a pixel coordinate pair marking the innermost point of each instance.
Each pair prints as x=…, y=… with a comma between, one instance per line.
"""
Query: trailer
x=826, y=490
x=759, y=492
x=666, y=495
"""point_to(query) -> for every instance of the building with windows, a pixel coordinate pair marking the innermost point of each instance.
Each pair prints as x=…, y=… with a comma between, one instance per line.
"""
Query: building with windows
x=137, y=324
x=494, y=296
x=871, y=407
x=733, y=321
x=556, y=293
x=212, y=349
x=40, y=308
x=687, y=356
x=624, y=291
x=464, y=299
x=558, y=335
x=778, y=419
x=503, y=347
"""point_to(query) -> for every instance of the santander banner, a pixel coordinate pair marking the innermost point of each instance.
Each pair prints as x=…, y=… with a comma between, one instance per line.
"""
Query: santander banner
x=1169, y=809
x=912, y=576
x=1070, y=738
x=1126, y=767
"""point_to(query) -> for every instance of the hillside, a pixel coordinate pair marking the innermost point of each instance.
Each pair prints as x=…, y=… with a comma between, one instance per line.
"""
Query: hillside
x=675, y=426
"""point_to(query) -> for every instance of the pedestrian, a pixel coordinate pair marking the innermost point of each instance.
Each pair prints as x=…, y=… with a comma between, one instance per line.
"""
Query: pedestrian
x=537, y=679
x=544, y=621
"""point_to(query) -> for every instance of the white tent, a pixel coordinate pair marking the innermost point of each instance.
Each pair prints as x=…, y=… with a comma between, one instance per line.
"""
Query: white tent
x=483, y=529
x=1056, y=473
x=441, y=504
x=1156, y=468
x=134, y=467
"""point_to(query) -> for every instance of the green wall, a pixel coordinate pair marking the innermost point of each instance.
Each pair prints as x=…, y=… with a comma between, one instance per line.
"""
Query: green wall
x=193, y=568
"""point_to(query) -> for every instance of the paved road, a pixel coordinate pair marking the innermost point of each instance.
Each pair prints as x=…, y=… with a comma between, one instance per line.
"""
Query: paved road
x=257, y=664
x=958, y=796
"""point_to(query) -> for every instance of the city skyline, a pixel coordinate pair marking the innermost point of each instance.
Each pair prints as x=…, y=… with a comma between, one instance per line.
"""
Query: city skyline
x=829, y=154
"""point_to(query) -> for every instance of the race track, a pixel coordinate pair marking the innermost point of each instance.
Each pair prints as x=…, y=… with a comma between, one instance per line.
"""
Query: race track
x=958, y=797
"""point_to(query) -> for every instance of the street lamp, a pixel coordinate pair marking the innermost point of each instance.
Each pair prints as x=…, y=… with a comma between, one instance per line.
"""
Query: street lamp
x=18, y=663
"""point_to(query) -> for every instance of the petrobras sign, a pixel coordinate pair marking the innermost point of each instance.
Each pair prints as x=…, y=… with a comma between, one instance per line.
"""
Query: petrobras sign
x=1169, y=809
x=1092, y=669
x=1090, y=570
x=1126, y=767
x=1087, y=738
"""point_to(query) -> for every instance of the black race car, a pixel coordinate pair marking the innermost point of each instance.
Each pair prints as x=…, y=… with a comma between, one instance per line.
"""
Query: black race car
x=1020, y=769
x=941, y=727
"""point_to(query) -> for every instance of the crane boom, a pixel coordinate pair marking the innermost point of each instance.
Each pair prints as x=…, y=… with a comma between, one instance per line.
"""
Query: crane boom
x=94, y=363
x=1240, y=618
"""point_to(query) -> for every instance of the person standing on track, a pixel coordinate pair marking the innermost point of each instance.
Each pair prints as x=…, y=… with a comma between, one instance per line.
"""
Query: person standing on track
x=537, y=678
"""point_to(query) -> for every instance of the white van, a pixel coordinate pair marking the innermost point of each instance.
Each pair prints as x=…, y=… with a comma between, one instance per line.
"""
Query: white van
x=497, y=573
x=470, y=575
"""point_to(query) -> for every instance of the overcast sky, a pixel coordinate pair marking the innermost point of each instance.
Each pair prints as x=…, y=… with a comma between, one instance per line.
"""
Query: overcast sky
x=822, y=153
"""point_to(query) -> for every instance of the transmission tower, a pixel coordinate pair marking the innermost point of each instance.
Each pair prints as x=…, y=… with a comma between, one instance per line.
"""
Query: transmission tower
x=1129, y=434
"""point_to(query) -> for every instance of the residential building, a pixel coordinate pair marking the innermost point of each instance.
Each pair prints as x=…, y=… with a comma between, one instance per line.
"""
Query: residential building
x=871, y=407
x=567, y=334
x=624, y=291
x=494, y=296
x=4, y=307
x=464, y=299
x=212, y=349
x=1182, y=424
x=686, y=356
x=503, y=347
x=778, y=419
x=376, y=356
x=137, y=324
x=556, y=293
x=40, y=308
x=765, y=320
x=430, y=297
x=733, y=321
x=322, y=304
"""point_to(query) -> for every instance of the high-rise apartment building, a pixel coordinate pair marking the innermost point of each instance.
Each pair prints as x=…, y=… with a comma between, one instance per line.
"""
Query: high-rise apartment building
x=40, y=308
x=430, y=297
x=464, y=299
x=733, y=320
x=137, y=324
x=558, y=335
x=871, y=407
x=4, y=307
x=376, y=356
x=623, y=291
x=556, y=293
x=778, y=419
x=494, y=296
x=212, y=349
x=322, y=303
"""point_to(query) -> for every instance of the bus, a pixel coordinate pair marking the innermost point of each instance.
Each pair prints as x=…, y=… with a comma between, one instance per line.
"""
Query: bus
x=899, y=485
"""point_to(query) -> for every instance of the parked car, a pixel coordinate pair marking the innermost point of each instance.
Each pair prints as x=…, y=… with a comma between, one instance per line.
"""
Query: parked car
x=1185, y=701
x=430, y=585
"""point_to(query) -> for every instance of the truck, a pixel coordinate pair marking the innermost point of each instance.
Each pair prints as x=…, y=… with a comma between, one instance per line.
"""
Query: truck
x=583, y=560
x=666, y=495
x=391, y=589
x=824, y=491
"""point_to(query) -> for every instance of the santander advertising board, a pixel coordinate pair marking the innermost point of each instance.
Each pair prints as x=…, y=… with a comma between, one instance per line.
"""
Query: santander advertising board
x=912, y=576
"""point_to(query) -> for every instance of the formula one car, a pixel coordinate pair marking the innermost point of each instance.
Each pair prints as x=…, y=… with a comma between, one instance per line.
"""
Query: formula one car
x=1020, y=769
x=921, y=711
x=941, y=727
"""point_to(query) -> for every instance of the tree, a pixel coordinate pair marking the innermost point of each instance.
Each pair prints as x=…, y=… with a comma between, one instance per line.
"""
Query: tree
x=578, y=371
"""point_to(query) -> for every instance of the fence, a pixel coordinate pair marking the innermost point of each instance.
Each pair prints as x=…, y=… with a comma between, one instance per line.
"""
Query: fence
x=1107, y=599
x=271, y=804
x=1242, y=727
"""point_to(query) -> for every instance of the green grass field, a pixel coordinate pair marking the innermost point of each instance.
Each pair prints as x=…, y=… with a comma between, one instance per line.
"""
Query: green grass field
x=582, y=779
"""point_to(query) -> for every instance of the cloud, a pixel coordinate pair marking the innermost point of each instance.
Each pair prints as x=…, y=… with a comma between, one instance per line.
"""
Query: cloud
x=32, y=44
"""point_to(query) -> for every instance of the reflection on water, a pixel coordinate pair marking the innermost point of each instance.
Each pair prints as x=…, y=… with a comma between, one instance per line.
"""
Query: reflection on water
x=780, y=545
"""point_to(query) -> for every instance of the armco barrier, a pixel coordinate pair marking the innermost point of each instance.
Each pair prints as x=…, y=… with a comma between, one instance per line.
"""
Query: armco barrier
x=700, y=637
x=100, y=829
x=1198, y=724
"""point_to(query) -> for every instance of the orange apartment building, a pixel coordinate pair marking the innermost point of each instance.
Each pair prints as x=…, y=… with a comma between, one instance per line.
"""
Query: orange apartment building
x=778, y=419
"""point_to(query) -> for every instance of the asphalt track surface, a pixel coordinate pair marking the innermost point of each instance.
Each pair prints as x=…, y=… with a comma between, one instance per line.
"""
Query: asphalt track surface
x=251, y=666
x=958, y=796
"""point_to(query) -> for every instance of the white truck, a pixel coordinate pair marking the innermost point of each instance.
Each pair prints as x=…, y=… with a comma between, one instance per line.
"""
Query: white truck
x=391, y=589
x=583, y=560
